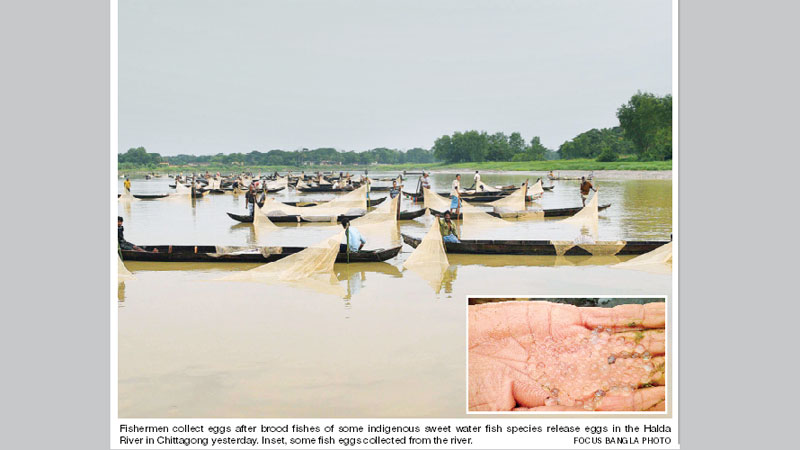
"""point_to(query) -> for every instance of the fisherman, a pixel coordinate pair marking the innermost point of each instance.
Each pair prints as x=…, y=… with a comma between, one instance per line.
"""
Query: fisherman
x=123, y=244
x=335, y=185
x=586, y=186
x=455, y=194
x=127, y=184
x=355, y=240
x=250, y=199
x=395, y=190
x=425, y=181
x=551, y=174
x=448, y=229
x=476, y=180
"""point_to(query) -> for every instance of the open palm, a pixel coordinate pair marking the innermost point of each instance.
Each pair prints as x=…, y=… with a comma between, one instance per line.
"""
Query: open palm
x=531, y=355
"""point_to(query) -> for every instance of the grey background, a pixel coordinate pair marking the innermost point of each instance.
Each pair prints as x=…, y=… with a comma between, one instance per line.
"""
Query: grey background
x=738, y=290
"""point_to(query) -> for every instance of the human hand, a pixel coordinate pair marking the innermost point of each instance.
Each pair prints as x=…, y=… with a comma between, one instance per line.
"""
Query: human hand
x=543, y=356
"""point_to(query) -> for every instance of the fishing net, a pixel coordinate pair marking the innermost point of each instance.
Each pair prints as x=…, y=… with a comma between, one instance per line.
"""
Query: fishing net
x=476, y=222
x=379, y=226
x=434, y=201
x=222, y=250
x=513, y=206
x=323, y=181
x=595, y=248
x=311, y=268
x=278, y=183
x=429, y=259
x=127, y=196
x=536, y=190
x=261, y=223
x=587, y=218
x=480, y=186
x=301, y=183
x=214, y=183
x=123, y=274
x=352, y=204
x=656, y=261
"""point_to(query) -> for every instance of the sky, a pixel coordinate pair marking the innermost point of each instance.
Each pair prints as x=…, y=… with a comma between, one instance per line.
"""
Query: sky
x=206, y=77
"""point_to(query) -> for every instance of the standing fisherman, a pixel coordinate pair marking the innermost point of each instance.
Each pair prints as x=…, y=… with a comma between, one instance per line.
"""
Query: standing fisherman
x=455, y=195
x=127, y=184
x=586, y=186
x=250, y=199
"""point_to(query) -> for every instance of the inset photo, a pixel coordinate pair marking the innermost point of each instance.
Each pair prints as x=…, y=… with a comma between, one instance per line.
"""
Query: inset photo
x=570, y=354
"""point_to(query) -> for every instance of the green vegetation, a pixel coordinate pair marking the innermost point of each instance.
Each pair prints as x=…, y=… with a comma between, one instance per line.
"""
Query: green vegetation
x=643, y=141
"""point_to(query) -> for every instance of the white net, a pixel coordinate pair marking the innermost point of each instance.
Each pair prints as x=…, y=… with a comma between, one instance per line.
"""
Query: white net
x=123, y=274
x=595, y=248
x=278, y=183
x=480, y=186
x=586, y=219
x=434, y=201
x=353, y=203
x=656, y=261
x=429, y=259
x=476, y=223
x=536, y=190
x=379, y=226
x=127, y=197
x=261, y=223
x=323, y=182
x=513, y=205
x=311, y=268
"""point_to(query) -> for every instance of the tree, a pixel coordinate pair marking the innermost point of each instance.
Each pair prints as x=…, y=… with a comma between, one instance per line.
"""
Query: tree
x=647, y=121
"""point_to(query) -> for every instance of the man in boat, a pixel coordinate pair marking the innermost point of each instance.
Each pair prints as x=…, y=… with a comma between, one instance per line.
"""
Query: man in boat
x=586, y=186
x=425, y=182
x=448, y=229
x=250, y=199
x=123, y=244
x=476, y=180
x=354, y=239
x=127, y=184
x=455, y=194
x=395, y=190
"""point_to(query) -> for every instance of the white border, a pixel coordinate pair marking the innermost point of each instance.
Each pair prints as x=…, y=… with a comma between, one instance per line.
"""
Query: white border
x=112, y=174
x=668, y=350
x=672, y=300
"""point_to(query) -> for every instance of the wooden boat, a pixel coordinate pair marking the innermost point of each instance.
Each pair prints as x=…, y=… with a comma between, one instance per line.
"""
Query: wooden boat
x=538, y=247
x=548, y=188
x=479, y=198
x=203, y=253
x=556, y=212
x=149, y=196
x=375, y=202
x=246, y=218
x=323, y=189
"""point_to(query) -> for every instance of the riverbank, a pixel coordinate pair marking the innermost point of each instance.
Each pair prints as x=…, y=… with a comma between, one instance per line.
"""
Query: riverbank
x=576, y=165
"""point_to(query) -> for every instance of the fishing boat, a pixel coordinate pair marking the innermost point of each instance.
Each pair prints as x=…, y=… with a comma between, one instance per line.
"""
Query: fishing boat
x=556, y=212
x=375, y=202
x=149, y=196
x=537, y=247
x=246, y=218
x=475, y=197
x=208, y=253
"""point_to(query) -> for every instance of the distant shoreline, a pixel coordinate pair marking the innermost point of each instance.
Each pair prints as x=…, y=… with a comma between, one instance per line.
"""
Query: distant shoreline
x=567, y=168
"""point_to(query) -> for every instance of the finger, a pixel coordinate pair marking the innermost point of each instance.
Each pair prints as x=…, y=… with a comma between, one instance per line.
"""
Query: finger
x=551, y=408
x=650, y=315
x=651, y=341
x=639, y=400
x=660, y=406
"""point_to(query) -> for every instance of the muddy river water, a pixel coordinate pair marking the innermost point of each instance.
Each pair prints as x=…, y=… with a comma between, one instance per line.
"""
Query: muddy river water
x=391, y=346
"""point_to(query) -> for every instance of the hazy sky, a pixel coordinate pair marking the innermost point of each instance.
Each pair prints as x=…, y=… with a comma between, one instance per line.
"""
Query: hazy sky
x=203, y=77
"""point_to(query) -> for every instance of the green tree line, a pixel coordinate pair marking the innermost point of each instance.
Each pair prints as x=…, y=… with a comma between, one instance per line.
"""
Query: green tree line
x=644, y=134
